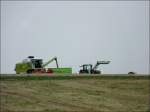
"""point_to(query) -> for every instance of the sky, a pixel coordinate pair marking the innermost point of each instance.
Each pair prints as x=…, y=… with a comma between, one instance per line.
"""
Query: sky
x=77, y=32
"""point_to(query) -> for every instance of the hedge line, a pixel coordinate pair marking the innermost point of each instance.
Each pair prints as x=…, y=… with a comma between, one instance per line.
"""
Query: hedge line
x=11, y=78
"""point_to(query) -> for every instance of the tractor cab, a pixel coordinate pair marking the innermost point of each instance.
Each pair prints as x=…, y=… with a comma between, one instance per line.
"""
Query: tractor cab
x=86, y=68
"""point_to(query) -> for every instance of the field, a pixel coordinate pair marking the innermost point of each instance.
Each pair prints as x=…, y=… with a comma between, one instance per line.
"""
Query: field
x=75, y=94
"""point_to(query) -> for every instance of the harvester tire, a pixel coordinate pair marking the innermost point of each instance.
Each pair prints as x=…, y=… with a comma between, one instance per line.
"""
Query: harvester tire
x=29, y=71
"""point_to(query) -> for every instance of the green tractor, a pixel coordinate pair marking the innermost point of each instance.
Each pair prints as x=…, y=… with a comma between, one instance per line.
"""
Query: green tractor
x=32, y=65
x=89, y=69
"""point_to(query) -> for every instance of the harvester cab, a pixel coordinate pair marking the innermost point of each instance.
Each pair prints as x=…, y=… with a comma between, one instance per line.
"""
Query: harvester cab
x=35, y=63
x=88, y=68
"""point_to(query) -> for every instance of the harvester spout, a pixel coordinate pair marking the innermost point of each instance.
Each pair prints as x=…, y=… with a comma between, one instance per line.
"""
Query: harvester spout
x=53, y=59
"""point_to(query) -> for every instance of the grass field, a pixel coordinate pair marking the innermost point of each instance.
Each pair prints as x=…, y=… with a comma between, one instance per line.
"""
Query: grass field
x=75, y=94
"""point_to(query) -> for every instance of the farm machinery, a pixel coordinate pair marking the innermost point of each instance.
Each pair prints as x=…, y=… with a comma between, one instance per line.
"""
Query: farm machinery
x=88, y=68
x=32, y=65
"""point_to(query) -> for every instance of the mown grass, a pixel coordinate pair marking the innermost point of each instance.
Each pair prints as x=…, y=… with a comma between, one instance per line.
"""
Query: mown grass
x=75, y=94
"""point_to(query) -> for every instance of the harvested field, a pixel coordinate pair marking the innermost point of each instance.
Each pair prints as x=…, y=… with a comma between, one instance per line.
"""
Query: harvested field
x=75, y=94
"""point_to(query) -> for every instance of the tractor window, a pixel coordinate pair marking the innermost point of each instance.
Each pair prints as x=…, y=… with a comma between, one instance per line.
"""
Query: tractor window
x=84, y=67
x=88, y=67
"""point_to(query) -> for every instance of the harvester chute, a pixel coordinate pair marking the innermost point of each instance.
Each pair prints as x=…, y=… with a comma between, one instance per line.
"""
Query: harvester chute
x=51, y=60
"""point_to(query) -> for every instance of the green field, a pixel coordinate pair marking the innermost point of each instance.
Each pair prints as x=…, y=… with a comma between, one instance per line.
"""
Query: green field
x=75, y=94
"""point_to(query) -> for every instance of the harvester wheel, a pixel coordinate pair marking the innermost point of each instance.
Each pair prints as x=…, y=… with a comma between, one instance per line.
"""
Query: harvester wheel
x=29, y=71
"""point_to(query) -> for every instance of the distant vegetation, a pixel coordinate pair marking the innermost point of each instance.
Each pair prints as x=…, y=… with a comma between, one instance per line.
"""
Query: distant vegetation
x=131, y=73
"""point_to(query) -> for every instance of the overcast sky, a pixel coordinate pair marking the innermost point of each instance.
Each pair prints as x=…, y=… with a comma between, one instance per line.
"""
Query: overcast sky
x=77, y=32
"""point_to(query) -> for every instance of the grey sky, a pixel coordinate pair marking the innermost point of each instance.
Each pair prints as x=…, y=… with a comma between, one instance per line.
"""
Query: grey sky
x=77, y=33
